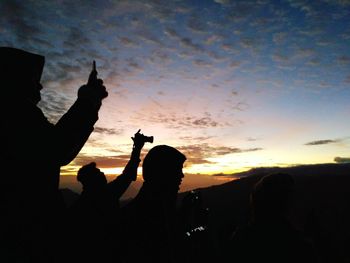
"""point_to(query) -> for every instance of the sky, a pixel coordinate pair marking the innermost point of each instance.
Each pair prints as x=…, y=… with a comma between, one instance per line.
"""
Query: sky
x=231, y=84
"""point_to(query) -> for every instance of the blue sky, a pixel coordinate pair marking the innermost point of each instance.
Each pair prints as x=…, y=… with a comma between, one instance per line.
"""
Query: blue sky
x=233, y=84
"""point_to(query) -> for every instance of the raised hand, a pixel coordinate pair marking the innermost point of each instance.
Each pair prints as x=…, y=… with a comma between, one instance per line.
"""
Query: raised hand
x=139, y=139
x=94, y=90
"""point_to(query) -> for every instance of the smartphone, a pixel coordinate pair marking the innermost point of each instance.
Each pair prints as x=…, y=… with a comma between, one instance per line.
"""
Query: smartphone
x=93, y=73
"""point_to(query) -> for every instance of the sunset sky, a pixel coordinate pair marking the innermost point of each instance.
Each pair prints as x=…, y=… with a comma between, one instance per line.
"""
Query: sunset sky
x=231, y=84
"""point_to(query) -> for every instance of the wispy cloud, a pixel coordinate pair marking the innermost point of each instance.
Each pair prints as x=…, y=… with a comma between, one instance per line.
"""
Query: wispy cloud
x=321, y=142
x=196, y=138
x=108, y=131
x=223, y=2
x=343, y=60
x=20, y=20
x=128, y=42
x=200, y=153
x=196, y=24
x=202, y=63
x=347, y=79
x=103, y=161
x=280, y=37
x=54, y=104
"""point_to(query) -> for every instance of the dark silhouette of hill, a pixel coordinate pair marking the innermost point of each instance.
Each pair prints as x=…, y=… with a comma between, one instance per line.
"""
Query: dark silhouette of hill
x=321, y=207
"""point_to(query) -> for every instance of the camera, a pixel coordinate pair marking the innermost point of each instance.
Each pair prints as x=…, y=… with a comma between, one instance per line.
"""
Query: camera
x=147, y=138
x=140, y=137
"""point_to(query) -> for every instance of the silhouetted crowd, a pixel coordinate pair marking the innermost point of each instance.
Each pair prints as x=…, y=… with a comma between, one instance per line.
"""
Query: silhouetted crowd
x=37, y=226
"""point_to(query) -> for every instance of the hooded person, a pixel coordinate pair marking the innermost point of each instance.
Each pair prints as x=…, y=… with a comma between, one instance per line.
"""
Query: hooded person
x=270, y=236
x=150, y=218
x=33, y=149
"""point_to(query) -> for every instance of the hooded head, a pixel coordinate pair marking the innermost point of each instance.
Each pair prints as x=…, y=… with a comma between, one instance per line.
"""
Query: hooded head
x=272, y=195
x=21, y=73
x=162, y=168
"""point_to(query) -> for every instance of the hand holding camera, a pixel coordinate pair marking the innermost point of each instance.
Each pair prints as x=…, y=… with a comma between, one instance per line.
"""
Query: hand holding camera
x=139, y=139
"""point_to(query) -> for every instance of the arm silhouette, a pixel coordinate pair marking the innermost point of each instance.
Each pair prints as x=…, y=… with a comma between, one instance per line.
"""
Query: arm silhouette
x=75, y=127
x=119, y=185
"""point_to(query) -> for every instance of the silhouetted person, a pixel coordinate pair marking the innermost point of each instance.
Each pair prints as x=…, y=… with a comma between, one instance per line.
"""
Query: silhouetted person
x=270, y=237
x=196, y=235
x=96, y=212
x=33, y=150
x=149, y=220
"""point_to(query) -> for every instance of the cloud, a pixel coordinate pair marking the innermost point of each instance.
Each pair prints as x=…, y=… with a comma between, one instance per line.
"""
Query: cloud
x=196, y=138
x=22, y=19
x=185, y=42
x=305, y=7
x=343, y=60
x=241, y=11
x=314, y=62
x=234, y=64
x=346, y=35
x=76, y=38
x=149, y=37
x=132, y=64
x=103, y=161
x=280, y=58
x=202, y=63
x=234, y=92
x=196, y=122
x=128, y=42
x=279, y=38
x=230, y=48
x=342, y=159
x=178, y=120
x=171, y=33
x=303, y=53
x=213, y=39
x=222, y=2
x=204, y=122
x=252, y=139
x=200, y=153
x=54, y=104
x=188, y=43
x=196, y=24
x=214, y=55
x=108, y=131
x=248, y=42
x=342, y=3
x=347, y=79
x=321, y=142
x=159, y=56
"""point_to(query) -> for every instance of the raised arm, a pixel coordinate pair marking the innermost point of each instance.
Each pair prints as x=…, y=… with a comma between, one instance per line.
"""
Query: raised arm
x=122, y=182
x=75, y=127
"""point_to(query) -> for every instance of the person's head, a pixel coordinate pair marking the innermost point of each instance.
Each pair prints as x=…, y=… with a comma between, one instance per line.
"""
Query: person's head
x=162, y=168
x=21, y=73
x=271, y=195
x=91, y=177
